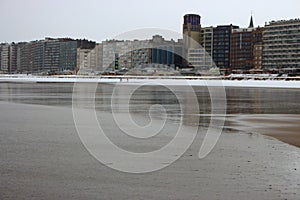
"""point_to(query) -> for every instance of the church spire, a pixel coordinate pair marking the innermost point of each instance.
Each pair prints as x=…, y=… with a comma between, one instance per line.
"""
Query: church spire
x=251, y=22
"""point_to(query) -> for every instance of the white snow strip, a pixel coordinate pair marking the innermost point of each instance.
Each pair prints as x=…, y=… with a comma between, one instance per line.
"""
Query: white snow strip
x=151, y=80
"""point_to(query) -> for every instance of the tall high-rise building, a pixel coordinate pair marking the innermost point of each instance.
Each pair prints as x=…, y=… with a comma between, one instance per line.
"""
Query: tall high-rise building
x=281, y=45
x=48, y=55
x=20, y=47
x=207, y=37
x=13, y=55
x=68, y=55
x=191, y=30
x=221, y=46
x=206, y=43
x=37, y=55
x=99, y=56
x=4, y=57
x=51, y=55
x=25, y=50
x=192, y=50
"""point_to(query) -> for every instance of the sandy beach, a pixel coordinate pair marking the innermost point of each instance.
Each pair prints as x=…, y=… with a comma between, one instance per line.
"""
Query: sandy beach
x=43, y=158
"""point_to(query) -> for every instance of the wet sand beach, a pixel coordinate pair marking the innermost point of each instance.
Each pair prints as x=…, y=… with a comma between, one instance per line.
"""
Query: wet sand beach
x=43, y=158
x=281, y=126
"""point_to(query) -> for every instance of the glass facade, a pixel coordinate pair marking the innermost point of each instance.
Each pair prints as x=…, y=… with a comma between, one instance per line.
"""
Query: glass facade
x=221, y=45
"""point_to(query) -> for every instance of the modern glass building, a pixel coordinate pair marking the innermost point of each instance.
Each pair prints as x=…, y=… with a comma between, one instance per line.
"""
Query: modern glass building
x=221, y=45
x=68, y=55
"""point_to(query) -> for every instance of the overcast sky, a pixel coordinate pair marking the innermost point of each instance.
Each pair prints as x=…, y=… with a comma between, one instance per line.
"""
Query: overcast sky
x=26, y=20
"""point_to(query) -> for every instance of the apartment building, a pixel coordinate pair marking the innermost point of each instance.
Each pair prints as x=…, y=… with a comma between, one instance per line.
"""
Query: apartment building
x=281, y=45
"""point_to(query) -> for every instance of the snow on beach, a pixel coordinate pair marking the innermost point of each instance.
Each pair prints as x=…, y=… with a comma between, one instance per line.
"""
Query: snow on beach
x=171, y=80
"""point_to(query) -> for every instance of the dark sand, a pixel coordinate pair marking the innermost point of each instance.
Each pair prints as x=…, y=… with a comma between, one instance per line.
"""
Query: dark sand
x=43, y=158
x=282, y=127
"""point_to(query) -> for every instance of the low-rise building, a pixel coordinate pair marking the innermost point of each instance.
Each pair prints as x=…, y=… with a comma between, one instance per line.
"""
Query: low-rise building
x=135, y=53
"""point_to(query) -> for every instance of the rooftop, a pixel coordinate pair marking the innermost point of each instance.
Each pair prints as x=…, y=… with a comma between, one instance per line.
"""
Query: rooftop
x=279, y=22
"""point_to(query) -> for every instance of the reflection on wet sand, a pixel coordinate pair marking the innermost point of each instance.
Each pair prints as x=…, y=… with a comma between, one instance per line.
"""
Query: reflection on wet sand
x=262, y=110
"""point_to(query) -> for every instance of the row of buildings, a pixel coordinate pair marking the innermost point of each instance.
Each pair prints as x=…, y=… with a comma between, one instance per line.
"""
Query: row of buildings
x=229, y=48
x=48, y=55
x=65, y=55
x=272, y=48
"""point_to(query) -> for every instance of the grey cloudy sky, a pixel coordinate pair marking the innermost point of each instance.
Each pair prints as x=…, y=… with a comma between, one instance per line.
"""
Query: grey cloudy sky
x=25, y=20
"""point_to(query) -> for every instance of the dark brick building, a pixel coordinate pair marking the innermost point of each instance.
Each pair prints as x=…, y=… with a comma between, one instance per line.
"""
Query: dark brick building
x=246, y=49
